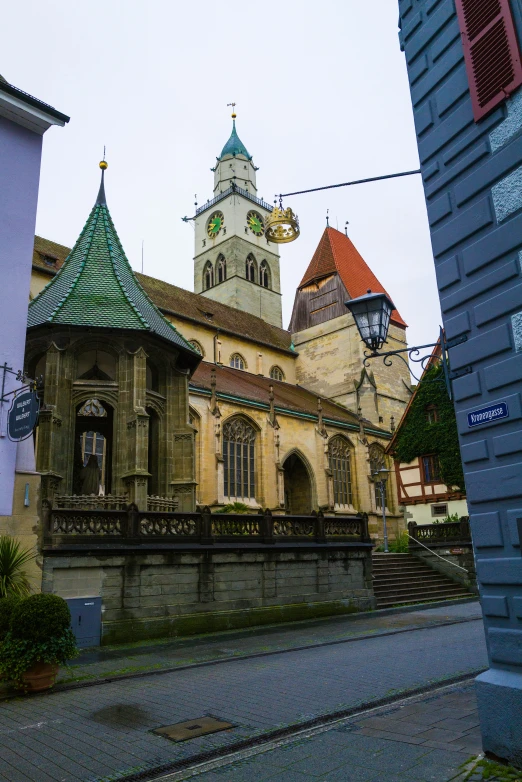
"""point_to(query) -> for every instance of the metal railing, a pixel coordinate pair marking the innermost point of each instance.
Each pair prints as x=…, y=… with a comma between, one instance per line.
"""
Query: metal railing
x=450, y=533
x=230, y=191
x=132, y=526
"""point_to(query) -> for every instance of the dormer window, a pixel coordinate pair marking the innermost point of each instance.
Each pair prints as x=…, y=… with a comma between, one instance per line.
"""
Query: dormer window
x=50, y=260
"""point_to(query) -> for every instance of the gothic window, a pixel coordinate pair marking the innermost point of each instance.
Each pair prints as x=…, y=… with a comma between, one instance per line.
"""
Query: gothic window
x=276, y=373
x=264, y=275
x=197, y=346
x=378, y=462
x=251, y=268
x=239, y=439
x=93, y=407
x=221, y=269
x=339, y=454
x=237, y=361
x=208, y=276
x=95, y=443
x=377, y=457
x=430, y=469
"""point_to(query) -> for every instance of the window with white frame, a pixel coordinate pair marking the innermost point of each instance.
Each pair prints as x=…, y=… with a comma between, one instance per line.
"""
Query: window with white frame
x=276, y=373
x=237, y=361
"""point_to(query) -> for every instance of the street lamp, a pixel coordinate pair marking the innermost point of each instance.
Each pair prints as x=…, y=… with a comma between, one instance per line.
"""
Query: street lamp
x=380, y=477
x=372, y=314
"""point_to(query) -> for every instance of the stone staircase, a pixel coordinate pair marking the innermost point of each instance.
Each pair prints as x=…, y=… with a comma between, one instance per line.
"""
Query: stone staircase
x=402, y=579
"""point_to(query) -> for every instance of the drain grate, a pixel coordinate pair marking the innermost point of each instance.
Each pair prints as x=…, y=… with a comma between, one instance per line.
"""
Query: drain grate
x=181, y=731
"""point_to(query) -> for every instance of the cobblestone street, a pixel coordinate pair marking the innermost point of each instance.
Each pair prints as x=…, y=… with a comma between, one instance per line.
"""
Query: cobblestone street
x=103, y=730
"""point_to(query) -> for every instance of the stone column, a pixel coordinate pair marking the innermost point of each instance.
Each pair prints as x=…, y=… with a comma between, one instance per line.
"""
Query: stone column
x=137, y=428
x=50, y=436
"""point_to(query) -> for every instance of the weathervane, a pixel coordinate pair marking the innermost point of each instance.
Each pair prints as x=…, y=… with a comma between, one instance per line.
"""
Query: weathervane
x=233, y=109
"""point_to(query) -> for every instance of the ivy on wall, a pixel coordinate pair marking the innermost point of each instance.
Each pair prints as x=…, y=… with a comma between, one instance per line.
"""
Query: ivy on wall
x=417, y=436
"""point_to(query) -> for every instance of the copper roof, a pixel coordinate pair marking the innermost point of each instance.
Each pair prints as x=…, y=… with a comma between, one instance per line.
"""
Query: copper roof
x=336, y=253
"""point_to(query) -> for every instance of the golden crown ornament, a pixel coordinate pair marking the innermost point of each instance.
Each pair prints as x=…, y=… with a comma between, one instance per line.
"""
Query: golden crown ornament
x=281, y=225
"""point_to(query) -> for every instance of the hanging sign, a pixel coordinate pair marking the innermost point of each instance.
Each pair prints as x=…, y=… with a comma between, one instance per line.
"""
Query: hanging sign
x=487, y=414
x=23, y=415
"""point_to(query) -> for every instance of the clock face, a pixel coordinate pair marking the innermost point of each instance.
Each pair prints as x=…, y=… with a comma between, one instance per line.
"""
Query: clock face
x=255, y=223
x=215, y=224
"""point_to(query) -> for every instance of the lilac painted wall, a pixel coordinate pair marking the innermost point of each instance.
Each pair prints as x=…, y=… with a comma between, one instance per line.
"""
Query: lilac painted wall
x=20, y=153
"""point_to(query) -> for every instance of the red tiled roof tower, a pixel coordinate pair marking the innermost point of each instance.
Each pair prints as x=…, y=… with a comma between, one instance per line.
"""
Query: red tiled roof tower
x=336, y=253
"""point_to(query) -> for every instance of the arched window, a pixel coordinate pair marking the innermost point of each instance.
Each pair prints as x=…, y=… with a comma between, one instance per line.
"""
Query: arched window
x=239, y=439
x=208, y=276
x=251, y=268
x=264, y=275
x=221, y=269
x=276, y=373
x=197, y=346
x=378, y=462
x=339, y=455
x=237, y=361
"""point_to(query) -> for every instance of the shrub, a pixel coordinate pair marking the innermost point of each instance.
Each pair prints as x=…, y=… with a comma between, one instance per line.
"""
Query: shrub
x=40, y=617
x=400, y=544
x=13, y=578
x=39, y=632
x=235, y=507
x=7, y=605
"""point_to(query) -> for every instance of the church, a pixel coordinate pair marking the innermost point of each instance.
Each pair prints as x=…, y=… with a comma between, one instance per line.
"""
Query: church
x=192, y=399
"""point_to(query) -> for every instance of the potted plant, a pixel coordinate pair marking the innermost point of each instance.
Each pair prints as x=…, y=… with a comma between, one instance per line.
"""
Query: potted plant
x=38, y=642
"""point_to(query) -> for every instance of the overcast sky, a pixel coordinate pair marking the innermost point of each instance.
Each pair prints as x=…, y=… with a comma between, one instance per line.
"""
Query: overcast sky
x=322, y=97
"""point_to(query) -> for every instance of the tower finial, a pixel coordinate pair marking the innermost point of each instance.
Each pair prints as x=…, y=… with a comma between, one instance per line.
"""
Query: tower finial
x=101, y=193
x=234, y=115
x=327, y=219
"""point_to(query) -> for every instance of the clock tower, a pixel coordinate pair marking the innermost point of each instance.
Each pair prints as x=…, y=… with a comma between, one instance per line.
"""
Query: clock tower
x=233, y=262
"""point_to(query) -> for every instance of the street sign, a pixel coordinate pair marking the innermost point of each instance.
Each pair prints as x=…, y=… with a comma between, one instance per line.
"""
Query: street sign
x=485, y=415
x=23, y=415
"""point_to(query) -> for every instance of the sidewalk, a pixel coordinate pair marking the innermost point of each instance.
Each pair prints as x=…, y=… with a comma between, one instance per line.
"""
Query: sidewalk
x=266, y=685
x=136, y=659
x=424, y=739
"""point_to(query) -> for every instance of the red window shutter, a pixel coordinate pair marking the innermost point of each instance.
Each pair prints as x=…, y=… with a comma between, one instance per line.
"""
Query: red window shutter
x=491, y=52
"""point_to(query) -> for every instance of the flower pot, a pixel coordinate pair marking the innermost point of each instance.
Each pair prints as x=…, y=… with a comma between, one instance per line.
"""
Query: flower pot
x=40, y=677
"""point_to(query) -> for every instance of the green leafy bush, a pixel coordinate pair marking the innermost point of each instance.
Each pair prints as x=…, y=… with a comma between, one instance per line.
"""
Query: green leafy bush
x=39, y=631
x=400, y=544
x=13, y=578
x=40, y=617
x=7, y=605
x=235, y=507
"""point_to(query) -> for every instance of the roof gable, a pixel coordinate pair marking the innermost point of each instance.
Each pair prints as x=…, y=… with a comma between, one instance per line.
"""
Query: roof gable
x=336, y=253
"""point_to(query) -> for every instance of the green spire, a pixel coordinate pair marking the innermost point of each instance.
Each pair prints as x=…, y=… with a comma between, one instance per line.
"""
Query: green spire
x=234, y=145
x=96, y=286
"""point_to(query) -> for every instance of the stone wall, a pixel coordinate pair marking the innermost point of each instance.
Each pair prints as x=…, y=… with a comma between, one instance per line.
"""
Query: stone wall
x=330, y=364
x=175, y=593
x=463, y=559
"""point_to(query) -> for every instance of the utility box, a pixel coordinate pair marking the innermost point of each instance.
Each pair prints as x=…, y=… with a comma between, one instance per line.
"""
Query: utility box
x=85, y=620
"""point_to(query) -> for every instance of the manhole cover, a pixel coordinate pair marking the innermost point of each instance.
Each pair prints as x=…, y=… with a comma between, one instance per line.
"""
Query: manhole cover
x=181, y=731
